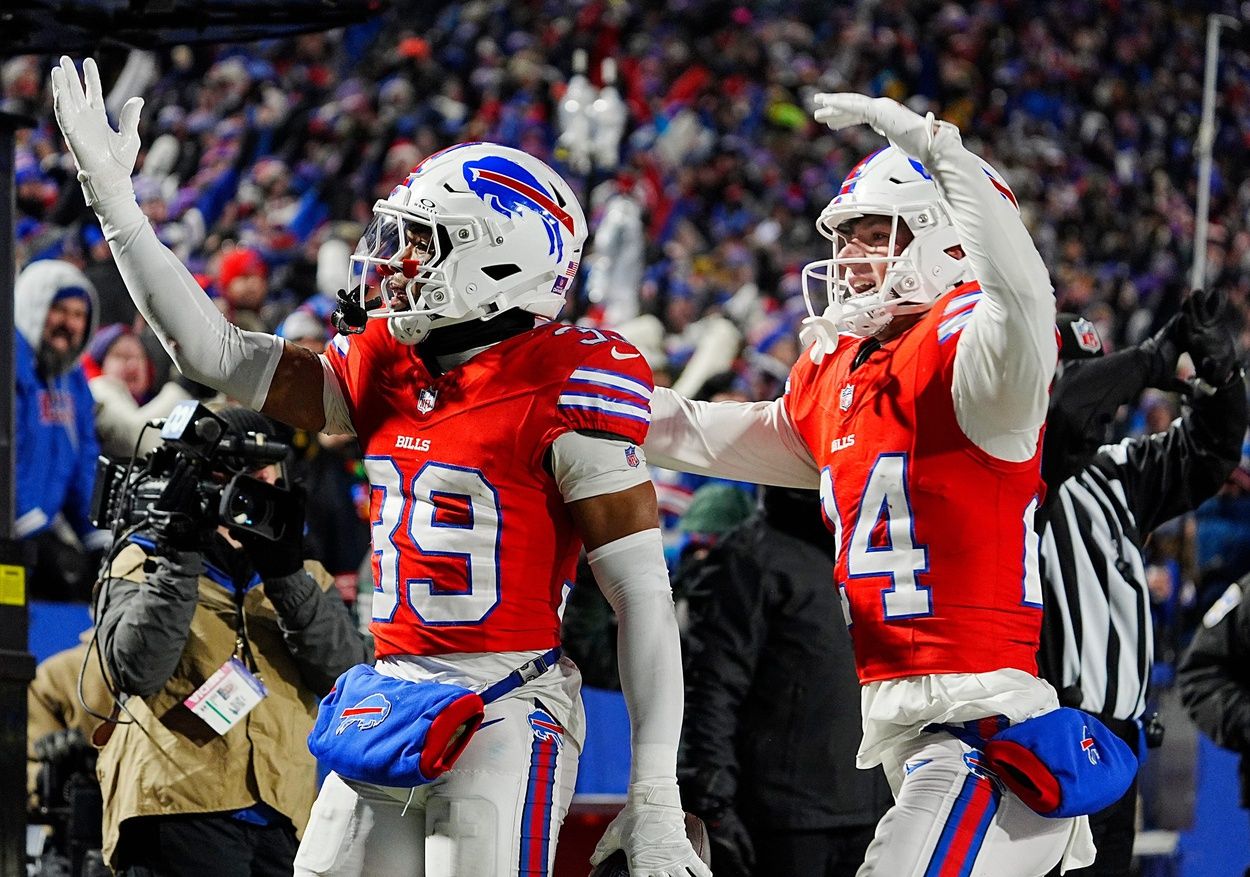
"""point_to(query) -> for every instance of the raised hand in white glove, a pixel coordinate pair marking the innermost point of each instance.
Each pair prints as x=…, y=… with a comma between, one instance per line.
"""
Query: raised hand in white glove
x=652, y=832
x=105, y=157
x=909, y=131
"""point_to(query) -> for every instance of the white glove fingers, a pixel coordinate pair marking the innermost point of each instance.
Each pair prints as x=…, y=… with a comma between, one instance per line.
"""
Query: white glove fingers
x=95, y=92
x=128, y=119
x=58, y=94
x=848, y=102
x=72, y=86
x=830, y=116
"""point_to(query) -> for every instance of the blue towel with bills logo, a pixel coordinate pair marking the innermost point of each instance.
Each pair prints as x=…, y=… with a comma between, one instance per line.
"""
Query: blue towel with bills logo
x=392, y=732
x=1061, y=764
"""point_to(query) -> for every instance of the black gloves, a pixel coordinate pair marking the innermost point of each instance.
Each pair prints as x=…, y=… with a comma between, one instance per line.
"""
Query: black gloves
x=285, y=556
x=1164, y=348
x=174, y=533
x=1207, y=336
x=708, y=793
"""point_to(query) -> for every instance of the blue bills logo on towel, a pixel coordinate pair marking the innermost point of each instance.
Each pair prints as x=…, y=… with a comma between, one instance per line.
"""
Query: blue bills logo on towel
x=1062, y=763
x=1089, y=745
x=417, y=729
x=368, y=713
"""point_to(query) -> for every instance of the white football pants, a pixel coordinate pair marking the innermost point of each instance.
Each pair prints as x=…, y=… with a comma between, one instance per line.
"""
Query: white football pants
x=950, y=819
x=497, y=813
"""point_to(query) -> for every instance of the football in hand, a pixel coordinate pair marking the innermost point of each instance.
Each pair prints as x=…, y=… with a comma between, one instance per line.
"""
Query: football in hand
x=616, y=866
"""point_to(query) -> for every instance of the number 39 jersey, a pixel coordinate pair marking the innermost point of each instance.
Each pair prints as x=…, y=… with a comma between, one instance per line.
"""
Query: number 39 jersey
x=472, y=543
x=937, y=558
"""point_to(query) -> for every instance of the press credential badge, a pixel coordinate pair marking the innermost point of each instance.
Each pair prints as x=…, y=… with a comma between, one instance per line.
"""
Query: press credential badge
x=227, y=696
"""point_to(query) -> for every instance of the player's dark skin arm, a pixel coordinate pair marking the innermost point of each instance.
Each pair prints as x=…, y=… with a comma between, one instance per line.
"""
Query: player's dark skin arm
x=295, y=393
x=611, y=516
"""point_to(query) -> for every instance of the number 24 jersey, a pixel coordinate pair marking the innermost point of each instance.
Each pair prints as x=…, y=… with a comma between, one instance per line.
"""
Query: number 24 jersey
x=472, y=543
x=937, y=558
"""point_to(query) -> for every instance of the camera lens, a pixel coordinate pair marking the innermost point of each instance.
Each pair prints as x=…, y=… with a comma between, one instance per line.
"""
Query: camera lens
x=242, y=508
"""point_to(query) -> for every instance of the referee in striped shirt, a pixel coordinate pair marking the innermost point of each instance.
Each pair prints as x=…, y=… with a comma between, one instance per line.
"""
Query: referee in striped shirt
x=1102, y=503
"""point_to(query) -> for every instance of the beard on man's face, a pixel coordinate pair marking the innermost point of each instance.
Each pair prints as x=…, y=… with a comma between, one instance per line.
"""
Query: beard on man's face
x=53, y=360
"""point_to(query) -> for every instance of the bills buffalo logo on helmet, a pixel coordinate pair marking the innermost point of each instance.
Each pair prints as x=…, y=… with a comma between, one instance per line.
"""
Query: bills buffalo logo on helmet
x=370, y=712
x=507, y=188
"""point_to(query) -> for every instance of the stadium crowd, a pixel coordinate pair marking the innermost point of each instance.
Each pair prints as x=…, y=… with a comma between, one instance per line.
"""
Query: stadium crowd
x=262, y=156
x=262, y=163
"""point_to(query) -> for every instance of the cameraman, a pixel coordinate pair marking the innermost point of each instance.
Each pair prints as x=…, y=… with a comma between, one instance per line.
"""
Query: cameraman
x=189, y=619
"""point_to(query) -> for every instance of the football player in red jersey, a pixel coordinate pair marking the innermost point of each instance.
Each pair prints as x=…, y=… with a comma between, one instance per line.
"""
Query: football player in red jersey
x=496, y=441
x=916, y=410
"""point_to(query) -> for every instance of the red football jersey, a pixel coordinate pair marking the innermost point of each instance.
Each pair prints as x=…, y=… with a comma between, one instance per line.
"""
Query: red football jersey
x=937, y=558
x=472, y=543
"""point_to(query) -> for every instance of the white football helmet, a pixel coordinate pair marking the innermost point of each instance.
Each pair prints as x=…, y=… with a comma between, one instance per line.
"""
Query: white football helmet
x=475, y=230
x=888, y=183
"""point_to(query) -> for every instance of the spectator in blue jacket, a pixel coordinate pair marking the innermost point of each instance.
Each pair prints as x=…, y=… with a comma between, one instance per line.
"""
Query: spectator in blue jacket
x=54, y=314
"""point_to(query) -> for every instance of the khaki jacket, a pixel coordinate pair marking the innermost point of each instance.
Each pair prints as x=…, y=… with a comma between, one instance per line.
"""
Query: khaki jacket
x=170, y=762
x=52, y=702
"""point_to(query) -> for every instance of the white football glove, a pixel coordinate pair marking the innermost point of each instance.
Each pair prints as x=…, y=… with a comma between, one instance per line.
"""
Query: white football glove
x=821, y=333
x=105, y=157
x=652, y=832
x=909, y=131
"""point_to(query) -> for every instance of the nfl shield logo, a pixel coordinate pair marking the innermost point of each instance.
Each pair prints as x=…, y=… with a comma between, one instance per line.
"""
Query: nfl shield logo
x=426, y=399
x=845, y=397
x=1086, y=336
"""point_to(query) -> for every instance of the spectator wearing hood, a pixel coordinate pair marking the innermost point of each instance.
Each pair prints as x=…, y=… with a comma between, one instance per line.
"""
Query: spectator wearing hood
x=122, y=378
x=54, y=315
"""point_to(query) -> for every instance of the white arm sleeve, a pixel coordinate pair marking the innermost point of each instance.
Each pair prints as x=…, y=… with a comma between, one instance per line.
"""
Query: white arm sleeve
x=1007, y=352
x=338, y=418
x=632, y=576
x=746, y=441
x=202, y=343
x=586, y=466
